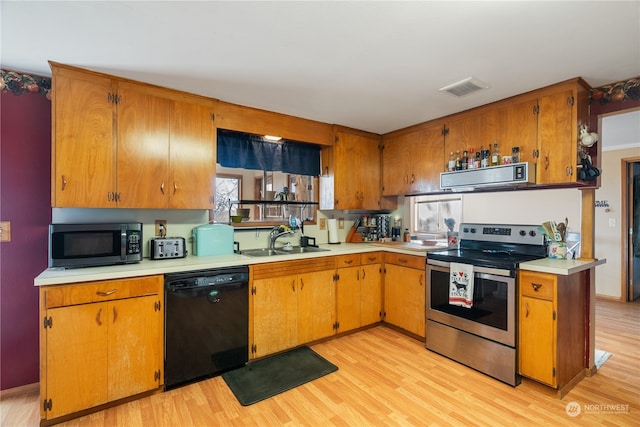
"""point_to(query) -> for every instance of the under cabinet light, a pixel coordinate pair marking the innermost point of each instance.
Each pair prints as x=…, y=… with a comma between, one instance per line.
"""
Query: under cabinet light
x=272, y=138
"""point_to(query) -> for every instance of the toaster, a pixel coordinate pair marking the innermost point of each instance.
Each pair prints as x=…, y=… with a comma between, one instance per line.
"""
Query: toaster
x=167, y=248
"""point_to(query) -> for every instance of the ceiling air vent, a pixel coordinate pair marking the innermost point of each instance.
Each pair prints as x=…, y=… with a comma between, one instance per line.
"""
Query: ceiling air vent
x=464, y=87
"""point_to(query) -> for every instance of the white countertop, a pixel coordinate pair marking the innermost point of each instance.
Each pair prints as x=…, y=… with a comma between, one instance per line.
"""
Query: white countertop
x=58, y=276
x=562, y=267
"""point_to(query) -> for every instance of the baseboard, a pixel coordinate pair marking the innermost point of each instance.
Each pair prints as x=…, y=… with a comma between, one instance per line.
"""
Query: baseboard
x=20, y=390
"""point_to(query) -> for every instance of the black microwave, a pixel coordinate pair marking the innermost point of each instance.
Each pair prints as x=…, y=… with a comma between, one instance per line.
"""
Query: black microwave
x=91, y=245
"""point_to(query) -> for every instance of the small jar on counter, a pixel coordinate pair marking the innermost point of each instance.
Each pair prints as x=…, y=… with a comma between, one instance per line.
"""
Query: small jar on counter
x=406, y=237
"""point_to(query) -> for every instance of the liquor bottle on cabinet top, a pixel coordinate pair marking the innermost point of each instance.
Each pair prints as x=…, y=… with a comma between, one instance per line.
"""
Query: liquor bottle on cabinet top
x=515, y=154
x=451, y=166
x=458, y=161
x=471, y=162
x=465, y=160
x=495, y=155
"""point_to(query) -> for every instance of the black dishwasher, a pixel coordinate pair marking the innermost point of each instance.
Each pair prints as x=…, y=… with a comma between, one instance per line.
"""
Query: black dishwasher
x=206, y=323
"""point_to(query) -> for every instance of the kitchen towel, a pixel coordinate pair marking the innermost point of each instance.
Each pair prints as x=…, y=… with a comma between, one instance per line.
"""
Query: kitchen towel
x=461, y=284
x=332, y=224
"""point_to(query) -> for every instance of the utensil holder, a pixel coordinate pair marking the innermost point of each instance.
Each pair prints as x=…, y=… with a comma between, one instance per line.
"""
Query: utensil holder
x=557, y=250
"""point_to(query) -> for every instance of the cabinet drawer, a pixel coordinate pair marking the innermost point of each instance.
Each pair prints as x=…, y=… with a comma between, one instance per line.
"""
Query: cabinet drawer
x=538, y=285
x=371, y=258
x=83, y=293
x=411, y=261
x=352, y=260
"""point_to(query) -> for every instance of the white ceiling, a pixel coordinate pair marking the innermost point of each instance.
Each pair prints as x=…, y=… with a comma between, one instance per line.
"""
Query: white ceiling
x=375, y=66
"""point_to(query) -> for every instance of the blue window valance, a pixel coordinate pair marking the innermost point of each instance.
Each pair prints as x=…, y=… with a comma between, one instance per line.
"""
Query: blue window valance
x=249, y=151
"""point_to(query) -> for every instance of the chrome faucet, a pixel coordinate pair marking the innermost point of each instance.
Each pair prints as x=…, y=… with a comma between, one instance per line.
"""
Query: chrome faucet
x=275, y=233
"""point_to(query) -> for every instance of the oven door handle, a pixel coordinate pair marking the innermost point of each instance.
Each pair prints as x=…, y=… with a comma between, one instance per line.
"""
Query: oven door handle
x=476, y=268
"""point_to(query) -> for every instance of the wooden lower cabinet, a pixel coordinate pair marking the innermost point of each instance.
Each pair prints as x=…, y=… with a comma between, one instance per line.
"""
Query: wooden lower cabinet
x=100, y=342
x=358, y=290
x=404, y=292
x=291, y=303
x=552, y=328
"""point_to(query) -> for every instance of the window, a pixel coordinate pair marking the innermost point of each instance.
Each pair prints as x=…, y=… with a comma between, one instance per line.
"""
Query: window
x=429, y=214
x=257, y=171
x=228, y=188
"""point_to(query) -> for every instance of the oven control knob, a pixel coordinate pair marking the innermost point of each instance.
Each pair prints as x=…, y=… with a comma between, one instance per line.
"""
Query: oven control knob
x=473, y=230
x=532, y=233
x=523, y=233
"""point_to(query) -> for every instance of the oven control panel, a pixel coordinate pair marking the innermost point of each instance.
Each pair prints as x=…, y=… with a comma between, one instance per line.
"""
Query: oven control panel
x=511, y=233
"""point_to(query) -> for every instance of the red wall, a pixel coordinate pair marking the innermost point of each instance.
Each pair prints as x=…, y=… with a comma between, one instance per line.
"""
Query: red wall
x=25, y=165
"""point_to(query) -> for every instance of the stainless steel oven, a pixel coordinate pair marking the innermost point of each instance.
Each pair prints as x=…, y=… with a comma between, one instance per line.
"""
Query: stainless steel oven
x=484, y=334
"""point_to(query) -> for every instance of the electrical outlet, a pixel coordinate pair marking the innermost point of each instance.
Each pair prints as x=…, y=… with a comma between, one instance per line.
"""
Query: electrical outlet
x=341, y=223
x=323, y=223
x=161, y=227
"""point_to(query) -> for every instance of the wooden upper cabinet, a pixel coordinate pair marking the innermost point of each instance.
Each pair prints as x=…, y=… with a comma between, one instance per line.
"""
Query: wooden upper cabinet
x=142, y=148
x=412, y=160
x=351, y=171
x=516, y=125
x=192, y=158
x=119, y=143
x=563, y=109
x=465, y=131
x=83, y=172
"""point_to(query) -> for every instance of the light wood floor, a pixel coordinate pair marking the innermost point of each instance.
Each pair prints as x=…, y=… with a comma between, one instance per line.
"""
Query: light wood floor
x=386, y=378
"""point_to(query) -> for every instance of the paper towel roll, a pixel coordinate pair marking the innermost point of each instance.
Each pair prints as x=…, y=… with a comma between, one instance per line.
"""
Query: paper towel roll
x=332, y=224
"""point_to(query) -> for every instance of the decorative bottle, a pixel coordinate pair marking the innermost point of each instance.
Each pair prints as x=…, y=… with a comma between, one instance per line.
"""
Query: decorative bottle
x=515, y=155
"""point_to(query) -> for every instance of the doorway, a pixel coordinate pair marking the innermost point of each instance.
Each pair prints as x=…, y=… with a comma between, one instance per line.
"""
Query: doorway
x=631, y=183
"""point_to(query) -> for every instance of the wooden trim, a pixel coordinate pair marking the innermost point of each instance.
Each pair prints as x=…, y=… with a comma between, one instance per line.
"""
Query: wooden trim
x=262, y=122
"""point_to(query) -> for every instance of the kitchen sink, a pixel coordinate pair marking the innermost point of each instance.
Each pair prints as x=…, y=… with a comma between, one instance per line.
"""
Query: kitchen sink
x=263, y=252
x=281, y=251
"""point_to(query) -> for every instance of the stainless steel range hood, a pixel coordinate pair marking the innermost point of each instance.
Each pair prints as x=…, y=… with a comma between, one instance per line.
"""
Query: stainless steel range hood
x=517, y=174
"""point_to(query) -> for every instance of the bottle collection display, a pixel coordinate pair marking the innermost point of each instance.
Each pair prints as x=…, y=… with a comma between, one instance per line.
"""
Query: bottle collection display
x=483, y=158
x=374, y=227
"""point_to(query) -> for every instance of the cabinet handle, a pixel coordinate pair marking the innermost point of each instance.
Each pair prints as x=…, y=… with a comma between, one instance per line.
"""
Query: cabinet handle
x=364, y=274
x=293, y=285
x=64, y=182
x=526, y=309
x=348, y=261
x=546, y=162
x=115, y=314
x=371, y=258
x=175, y=187
x=413, y=178
x=106, y=293
x=421, y=280
x=98, y=321
x=536, y=286
x=162, y=187
x=402, y=260
x=301, y=284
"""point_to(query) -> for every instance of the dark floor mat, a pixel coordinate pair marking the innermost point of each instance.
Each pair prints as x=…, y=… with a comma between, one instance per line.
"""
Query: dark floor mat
x=267, y=377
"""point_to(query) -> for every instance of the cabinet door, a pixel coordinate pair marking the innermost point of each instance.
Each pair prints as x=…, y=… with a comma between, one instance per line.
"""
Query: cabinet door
x=275, y=315
x=348, y=298
x=316, y=305
x=370, y=294
x=427, y=159
x=134, y=353
x=414, y=310
x=537, y=340
x=394, y=290
x=143, y=149
x=356, y=187
x=193, y=156
x=396, y=155
x=515, y=125
x=466, y=131
x=84, y=173
x=558, y=152
x=77, y=363
x=404, y=298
